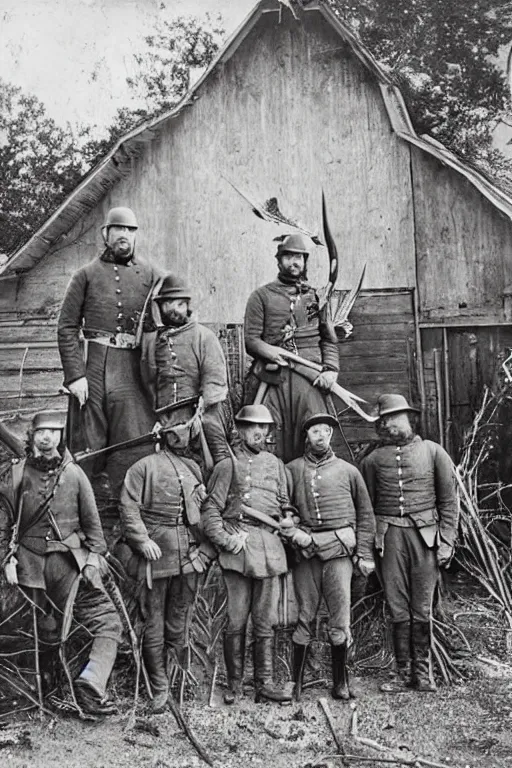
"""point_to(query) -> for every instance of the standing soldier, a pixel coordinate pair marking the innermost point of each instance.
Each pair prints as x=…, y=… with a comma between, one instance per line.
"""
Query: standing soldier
x=247, y=496
x=412, y=488
x=104, y=302
x=336, y=524
x=183, y=361
x=160, y=508
x=55, y=536
x=286, y=314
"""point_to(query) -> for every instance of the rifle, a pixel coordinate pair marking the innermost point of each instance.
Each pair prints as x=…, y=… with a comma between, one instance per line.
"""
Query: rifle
x=89, y=453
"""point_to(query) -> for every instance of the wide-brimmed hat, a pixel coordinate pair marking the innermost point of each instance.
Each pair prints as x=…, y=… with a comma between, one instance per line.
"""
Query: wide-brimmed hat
x=392, y=403
x=173, y=287
x=49, y=420
x=319, y=418
x=255, y=414
x=293, y=243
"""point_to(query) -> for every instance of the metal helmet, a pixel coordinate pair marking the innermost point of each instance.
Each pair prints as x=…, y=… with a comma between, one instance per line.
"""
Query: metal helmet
x=319, y=418
x=293, y=244
x=121, y=217
x=49, y=420
x=255, y=414
x=173, y=287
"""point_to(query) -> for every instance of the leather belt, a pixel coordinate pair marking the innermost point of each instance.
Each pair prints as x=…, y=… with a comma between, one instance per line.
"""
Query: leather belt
x=117, y=340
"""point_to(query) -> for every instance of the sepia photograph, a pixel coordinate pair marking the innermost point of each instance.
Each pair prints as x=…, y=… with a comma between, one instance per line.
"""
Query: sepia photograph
x=255, y=383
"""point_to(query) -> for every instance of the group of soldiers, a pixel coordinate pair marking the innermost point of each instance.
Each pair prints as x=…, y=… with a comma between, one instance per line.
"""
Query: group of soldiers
x=138, y=365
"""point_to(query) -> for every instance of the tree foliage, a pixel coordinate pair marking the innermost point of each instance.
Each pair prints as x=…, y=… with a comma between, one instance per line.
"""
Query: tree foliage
x=163, y=74
x=39, y=163
x=442, y=54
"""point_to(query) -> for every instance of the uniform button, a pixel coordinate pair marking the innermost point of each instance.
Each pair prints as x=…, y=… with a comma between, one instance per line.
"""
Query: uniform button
x=247, y=477
x=118, y=290
x=117, y=278
x=401, y=499
x=119, y=315
x=118, y=328
x=399, y=471
x=250, y=461
x=119, y=303
x=116, y=268
x=247, y=495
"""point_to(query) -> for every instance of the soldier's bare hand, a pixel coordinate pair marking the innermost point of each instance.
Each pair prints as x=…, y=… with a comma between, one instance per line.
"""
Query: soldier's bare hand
x=151, y=550
x=274, y=355
x=326, y=380
x=80, y=389
x=444, y=554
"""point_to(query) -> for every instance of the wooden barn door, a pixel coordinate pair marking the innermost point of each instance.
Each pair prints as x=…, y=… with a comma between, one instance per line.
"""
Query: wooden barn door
x=379, y=357
x=458, y=364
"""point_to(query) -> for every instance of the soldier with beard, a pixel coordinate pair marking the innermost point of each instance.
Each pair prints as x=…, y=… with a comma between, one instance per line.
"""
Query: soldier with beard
x=411, y=484
x=183, y=361
x=55, y=536
x=104, y=302
x=251, y=556
x=285, y=314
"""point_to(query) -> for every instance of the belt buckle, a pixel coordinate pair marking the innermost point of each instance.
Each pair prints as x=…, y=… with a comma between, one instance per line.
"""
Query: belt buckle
x=124, y=340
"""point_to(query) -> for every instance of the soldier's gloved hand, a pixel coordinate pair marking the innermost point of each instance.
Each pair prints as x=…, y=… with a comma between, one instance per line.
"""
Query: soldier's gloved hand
x=287, y=527
x=301, y=539
x=11, y=572
x=275, y=355
x=237, y=542
x=366, y=567
x=151, y=550
x=326, y=380
x=80, y=389
x=444, y=554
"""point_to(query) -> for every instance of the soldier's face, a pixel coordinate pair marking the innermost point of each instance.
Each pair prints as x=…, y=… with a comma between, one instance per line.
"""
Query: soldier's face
x=254, y=435
x=174, y=311
x=292, y=264
x=395, y=426
x=319, y=436
x=121, y=241
x=46, y=442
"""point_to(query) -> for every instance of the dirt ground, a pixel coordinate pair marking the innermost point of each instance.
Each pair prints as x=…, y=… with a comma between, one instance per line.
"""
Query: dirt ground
x=467, y=725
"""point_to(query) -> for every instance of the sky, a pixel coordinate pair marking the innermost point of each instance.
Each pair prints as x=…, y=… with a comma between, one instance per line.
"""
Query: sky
x=75, y=55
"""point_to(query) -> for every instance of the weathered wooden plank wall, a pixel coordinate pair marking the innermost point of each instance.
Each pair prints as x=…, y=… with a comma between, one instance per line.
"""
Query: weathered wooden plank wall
x=463, y=246
x=290, y=113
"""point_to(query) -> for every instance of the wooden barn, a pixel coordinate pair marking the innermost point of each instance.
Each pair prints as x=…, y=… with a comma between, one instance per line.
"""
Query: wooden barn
x=293, y=105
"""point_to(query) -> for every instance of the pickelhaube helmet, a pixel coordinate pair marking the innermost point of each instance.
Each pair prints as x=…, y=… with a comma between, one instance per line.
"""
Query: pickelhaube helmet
x=49, y=420
x=254, y=414
x=121, y=217
x=173, y=287
x=294, y=243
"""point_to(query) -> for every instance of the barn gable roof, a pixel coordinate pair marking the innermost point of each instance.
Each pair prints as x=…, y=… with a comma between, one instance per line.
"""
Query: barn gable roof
x=117, y=163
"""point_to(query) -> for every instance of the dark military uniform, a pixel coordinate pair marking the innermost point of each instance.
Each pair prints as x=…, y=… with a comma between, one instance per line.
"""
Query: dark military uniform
x=55, y=547
x=288, y=315
x=255, y=480
x=104, y=300
x=181, y=363
x=413, y=491
x=160, y=501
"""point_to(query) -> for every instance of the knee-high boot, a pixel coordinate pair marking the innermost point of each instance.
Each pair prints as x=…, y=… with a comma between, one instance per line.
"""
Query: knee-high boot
x=421, y=662
x=264, y=686
x=234, y=657
x=340, y=689
x=300, y=655
x=401, y=676
x=92, y=681
x=156, y=667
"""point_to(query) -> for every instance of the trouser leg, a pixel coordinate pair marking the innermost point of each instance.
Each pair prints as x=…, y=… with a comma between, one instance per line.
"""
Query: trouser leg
x=336, y=580
x=307, y=580
x=179, y=605
x=153, y=644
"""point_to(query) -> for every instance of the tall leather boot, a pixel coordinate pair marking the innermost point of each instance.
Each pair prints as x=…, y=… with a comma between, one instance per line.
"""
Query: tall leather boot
x=265, y=689
x=234, y=656
x=421, y=658
x=91, y=684
x=300, y=655
x=156, y=667
x=401, y=676
x=340, y=689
